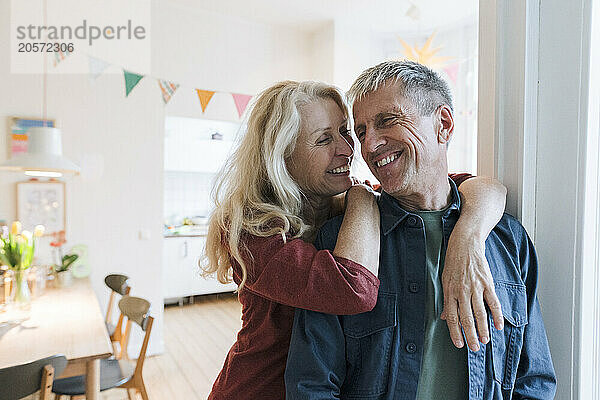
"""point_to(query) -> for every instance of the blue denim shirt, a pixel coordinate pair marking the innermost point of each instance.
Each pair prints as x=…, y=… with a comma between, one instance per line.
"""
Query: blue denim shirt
x=377, y=354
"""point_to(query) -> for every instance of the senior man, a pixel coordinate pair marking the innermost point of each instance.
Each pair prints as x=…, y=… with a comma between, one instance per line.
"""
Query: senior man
x=402, y=349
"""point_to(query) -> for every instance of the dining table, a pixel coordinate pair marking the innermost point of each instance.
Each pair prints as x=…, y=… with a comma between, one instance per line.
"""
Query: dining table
x=61, y=320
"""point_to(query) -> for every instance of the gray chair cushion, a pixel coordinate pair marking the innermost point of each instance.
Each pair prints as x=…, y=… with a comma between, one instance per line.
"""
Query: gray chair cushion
x=112, y=374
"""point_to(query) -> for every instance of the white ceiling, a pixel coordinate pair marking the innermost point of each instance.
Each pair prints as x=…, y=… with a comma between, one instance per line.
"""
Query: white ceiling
x=376, y=15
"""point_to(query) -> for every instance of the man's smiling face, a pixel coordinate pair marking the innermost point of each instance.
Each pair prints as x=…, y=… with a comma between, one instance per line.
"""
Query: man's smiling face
x=399, y=145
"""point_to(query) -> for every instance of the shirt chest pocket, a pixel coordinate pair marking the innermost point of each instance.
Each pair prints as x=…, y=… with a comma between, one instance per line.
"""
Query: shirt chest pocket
x=507, y=343
x=369, y=340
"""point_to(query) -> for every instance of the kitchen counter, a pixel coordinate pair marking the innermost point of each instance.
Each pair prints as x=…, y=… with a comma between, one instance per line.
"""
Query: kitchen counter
x=186, y=231
x=185, y=235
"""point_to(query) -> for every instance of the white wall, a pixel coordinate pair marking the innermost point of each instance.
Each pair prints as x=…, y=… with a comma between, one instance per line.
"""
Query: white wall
x=354, y=50
x=119, y=141
x=322, y=56
x=212, y=51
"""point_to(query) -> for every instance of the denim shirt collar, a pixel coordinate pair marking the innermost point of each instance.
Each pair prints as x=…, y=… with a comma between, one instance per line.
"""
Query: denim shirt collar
x=392, y=212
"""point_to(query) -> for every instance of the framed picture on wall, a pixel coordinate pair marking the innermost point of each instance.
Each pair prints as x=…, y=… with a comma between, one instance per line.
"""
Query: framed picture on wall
x=17, y=133
x=41, y=203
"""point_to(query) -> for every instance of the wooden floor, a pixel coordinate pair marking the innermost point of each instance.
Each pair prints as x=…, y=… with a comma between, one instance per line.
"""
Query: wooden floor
x=197, y=339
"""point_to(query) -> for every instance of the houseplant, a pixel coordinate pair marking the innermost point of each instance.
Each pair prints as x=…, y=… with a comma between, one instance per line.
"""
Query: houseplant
x=62, y=270
x=16, y=252
x=64, y=262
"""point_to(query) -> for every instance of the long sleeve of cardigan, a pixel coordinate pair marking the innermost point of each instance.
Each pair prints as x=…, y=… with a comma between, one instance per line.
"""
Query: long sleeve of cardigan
x=296, y=274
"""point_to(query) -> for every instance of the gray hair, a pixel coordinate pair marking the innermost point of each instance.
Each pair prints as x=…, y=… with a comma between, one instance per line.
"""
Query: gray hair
x=423, y=86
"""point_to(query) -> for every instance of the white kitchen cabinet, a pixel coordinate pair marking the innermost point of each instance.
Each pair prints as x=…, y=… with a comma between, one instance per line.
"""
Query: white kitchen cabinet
x=181, y=273
x=189, y=147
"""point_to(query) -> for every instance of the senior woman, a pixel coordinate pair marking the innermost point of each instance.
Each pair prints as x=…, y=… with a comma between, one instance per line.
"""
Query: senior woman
x=277, y=189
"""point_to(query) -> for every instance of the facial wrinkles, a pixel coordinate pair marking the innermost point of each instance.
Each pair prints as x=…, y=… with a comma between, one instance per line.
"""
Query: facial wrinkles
x=334, y=140
x=416, y=140
x=313, y=148
x=402, y=120
x=306, y=180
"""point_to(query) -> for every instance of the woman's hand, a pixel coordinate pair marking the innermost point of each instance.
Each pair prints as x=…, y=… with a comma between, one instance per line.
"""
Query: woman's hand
x=358, y=238
x=466, y=279
x=362, y=190
x=467, y=282
x=337, y=205
x=338, y=202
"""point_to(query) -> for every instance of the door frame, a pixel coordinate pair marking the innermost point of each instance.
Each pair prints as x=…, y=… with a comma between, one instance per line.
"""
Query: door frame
x=537, y=133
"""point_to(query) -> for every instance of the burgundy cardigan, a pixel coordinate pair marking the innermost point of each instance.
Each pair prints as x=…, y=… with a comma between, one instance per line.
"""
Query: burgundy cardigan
x=282, y=277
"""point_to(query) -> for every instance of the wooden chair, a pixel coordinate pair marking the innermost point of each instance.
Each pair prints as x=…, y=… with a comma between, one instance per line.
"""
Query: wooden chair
x=22, y=380
x=118, y=373
x=118, y=284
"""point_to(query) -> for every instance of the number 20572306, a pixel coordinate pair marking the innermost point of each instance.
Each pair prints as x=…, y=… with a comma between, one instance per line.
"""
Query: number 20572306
x=40, y=47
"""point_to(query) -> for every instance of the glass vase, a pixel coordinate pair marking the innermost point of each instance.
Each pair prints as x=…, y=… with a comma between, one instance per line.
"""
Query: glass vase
x=21, y=295
x=4, y=288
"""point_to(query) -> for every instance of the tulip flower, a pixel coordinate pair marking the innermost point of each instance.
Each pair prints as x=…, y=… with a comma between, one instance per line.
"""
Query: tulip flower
x=39, y=231
x=17, y=248
x=16, y=228
x=20, y=239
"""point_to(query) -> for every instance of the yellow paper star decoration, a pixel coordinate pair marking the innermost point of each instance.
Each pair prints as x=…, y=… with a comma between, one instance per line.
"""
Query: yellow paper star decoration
x=424, y=55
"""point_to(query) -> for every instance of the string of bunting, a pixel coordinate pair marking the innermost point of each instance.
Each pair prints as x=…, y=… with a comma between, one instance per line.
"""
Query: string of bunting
x=167, y=87
x=60, y=56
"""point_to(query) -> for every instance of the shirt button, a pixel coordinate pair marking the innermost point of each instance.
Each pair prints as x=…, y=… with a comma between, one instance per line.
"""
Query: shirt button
x=414, y=222
x=411, y=347
x=413, y=287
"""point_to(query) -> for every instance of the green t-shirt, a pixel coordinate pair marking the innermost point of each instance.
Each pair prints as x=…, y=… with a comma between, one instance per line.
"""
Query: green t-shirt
x=444, y=369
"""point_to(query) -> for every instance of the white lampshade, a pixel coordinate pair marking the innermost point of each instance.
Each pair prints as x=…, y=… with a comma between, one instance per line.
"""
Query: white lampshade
x=44, y=154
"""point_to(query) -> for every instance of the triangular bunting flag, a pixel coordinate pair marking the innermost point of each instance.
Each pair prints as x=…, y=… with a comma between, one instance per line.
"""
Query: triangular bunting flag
x=131, y=80
x=97, y=67
x=204, y=96
x=452, y=72
x=60, y=56
x=167, y=89
x=241, y=102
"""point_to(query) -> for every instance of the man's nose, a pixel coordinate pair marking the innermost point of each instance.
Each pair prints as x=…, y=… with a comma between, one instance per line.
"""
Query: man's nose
x=372, y=140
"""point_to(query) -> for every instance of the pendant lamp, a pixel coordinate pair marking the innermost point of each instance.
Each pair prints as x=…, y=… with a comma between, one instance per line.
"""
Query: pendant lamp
x=44, y=144
x=44, y=155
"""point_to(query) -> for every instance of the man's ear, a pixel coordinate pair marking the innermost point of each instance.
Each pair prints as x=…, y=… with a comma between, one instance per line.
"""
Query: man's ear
x=445, y=124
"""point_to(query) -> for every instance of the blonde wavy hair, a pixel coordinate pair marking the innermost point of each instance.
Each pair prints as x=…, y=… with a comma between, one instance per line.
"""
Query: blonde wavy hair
x=254, y=193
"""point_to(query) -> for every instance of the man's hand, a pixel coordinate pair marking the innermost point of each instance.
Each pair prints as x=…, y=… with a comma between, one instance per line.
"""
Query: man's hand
x=467, y=282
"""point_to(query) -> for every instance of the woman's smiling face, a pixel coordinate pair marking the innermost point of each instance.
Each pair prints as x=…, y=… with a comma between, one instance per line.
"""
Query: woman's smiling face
x=320, y=162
